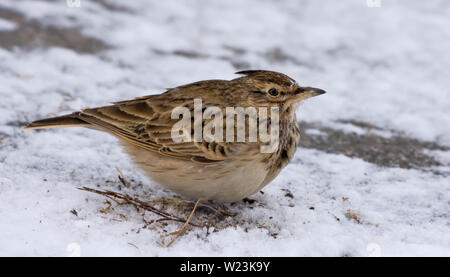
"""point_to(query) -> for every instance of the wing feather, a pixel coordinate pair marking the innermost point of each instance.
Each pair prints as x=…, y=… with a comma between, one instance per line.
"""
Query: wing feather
x=148, y=124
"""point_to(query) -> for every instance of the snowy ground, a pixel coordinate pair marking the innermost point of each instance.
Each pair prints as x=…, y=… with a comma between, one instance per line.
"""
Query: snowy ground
x=371, y=178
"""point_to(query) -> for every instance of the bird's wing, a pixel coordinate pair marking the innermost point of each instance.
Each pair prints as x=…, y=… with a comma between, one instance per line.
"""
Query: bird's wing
x=146, y=122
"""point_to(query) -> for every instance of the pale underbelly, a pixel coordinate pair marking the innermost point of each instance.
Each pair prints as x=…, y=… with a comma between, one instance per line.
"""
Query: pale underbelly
x=223, y=181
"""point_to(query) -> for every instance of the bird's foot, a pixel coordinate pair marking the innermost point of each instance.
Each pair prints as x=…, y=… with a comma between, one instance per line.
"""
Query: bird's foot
x=218, y=208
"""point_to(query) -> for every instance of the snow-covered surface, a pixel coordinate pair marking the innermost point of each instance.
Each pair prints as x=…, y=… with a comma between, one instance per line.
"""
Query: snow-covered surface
x=388, y=66
x=6, y=25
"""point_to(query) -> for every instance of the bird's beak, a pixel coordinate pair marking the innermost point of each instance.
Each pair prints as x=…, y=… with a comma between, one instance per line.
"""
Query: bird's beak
x=313, y=91
x=306, y=92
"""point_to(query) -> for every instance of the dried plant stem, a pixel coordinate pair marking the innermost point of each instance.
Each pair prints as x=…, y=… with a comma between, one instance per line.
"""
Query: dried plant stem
x=185, y=226
x=122, y=178
x=134, y=201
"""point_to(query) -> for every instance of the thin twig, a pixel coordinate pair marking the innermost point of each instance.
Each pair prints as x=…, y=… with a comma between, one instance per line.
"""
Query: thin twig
x=134, y=201
x=122, y=178
x=184, y=228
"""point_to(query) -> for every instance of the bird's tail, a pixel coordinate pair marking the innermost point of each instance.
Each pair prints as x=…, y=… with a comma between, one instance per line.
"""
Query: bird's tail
x=70, y=120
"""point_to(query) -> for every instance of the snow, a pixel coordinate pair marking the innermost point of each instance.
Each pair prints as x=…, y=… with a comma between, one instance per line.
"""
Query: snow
x=387, y=66
x=6, y=25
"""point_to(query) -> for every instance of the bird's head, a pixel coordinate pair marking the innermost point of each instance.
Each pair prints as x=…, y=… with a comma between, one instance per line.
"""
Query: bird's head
x=269, y=88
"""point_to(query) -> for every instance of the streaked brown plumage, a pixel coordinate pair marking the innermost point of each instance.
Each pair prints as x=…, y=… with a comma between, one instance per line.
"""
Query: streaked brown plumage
x=222, y=171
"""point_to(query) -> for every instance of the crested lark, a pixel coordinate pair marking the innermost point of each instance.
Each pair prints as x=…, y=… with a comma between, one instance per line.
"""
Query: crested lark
x=225, y=171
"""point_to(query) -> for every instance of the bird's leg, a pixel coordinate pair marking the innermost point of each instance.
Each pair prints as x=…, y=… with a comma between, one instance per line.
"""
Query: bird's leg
x=185, y=226
x=217, y=208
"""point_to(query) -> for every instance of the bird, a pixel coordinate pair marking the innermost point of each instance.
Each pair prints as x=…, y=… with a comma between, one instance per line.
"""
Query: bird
x=203, y=169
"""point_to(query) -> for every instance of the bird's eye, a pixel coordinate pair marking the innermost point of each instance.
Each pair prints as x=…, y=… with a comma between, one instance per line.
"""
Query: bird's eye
x=273, y=92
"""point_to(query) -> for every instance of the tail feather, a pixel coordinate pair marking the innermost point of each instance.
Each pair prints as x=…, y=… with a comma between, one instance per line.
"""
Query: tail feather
x=70, y=120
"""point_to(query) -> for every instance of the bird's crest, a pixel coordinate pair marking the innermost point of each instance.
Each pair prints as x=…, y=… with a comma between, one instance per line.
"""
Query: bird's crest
x=269, y=76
